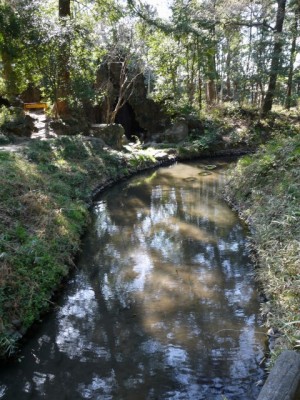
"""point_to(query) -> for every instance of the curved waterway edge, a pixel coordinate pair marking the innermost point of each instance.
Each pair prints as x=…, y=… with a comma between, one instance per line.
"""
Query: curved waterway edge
x=152, y=295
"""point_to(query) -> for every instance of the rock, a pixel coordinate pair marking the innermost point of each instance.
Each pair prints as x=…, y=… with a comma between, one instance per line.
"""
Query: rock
x=177, y=133
x=140, y=115
x=69, y=126
x=95, y=142
x=112, y=134
x=23, y=126
x=58, y=126
x=124, y=140
x=161, y=156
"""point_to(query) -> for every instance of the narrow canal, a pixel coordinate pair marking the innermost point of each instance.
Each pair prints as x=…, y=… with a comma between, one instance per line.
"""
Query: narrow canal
x=163, y=304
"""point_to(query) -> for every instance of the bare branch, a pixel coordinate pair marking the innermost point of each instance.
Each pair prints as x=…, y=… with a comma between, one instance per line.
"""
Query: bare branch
x=250, y=24
x=202, y=23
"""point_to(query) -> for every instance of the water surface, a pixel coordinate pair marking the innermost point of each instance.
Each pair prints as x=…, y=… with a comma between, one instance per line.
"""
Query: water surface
x=163, y=304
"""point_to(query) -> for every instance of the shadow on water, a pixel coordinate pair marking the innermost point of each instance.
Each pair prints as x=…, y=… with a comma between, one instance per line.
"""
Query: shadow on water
x=163, y=305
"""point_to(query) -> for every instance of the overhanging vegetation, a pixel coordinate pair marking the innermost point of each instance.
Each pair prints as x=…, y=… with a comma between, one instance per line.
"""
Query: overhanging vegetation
x=221, y=67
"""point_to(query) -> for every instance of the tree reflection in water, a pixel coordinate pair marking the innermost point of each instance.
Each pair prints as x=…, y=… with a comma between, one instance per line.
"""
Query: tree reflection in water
x=163, y=305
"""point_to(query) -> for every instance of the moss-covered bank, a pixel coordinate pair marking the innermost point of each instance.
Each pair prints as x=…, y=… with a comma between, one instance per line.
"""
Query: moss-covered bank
x=46, y=191
x=265, y=189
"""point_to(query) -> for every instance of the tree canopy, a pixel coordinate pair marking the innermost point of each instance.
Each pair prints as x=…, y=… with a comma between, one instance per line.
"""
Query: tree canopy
x=207, y=52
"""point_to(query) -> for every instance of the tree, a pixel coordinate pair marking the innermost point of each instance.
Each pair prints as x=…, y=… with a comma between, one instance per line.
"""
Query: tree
x=9, y=32
x=122, y=65
x=276, y=57
x=63, y=87
x=126, y=86
x=228, y=50
x=292, y=57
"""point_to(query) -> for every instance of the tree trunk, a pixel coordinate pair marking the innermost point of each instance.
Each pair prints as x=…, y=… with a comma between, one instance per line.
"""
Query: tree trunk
x=275, y=63
x=199, y=90
x=7, y=49
x=64, y=8
x=126, y=86
x=211, y=94
x=228, y=69
x=9, y=75
x=211, y=91
x=199, y=74
x=63, y=85
x=191, y=75
x=246, y=85
x=292, y=61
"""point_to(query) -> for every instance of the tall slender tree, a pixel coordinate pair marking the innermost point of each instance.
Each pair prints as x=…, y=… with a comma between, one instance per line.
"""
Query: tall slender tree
x=293, y=52
x=9, y=32
x=62, y=108
x=276, y=57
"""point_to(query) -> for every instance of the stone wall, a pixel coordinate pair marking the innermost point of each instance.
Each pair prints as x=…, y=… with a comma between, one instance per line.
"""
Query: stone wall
x=140, y=115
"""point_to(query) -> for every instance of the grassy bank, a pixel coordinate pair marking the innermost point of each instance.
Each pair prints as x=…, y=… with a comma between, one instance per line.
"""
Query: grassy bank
x=46, y=191
x=47, y=188
x=265, y=189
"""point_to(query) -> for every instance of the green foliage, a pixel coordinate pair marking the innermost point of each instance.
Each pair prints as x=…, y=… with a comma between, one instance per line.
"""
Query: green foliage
x=139, y=160
x=210, y=135
x=5, y=116
x=200, y=45
x=246, y=161
x=8, y=344
x=40, y=152
x=71, y=149
x=209, y=140
x=21, y=234
x=13, y=25
x=265, y=188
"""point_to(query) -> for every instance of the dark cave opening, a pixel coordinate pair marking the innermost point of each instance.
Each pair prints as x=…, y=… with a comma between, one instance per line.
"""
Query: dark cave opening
x=126, y=118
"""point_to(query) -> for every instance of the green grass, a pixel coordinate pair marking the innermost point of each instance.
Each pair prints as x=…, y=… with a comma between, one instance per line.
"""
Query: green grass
x=265, y=188
x=37, y=214
x=44, y=199
x=43, y=212
x=46, y=191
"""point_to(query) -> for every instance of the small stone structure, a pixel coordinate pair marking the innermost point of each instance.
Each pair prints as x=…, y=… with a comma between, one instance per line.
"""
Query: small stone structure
x=140, y=115
x=111, y=134
x=283, y=383
x=69, y=126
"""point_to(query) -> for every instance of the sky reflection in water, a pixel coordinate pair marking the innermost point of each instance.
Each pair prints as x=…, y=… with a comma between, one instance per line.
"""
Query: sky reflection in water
x=163, y=305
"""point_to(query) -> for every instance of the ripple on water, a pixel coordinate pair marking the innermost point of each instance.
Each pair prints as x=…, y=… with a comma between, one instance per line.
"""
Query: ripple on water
x=162, y=305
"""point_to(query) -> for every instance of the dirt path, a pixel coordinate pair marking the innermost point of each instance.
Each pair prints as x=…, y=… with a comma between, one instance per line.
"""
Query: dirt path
x=42, y=131
x=42, y=126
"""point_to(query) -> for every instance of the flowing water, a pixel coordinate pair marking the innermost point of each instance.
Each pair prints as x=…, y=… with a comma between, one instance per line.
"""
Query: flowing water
x=163, y=304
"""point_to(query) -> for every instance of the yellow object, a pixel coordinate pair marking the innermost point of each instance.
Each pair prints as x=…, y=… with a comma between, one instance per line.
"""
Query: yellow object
x=28, y=106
